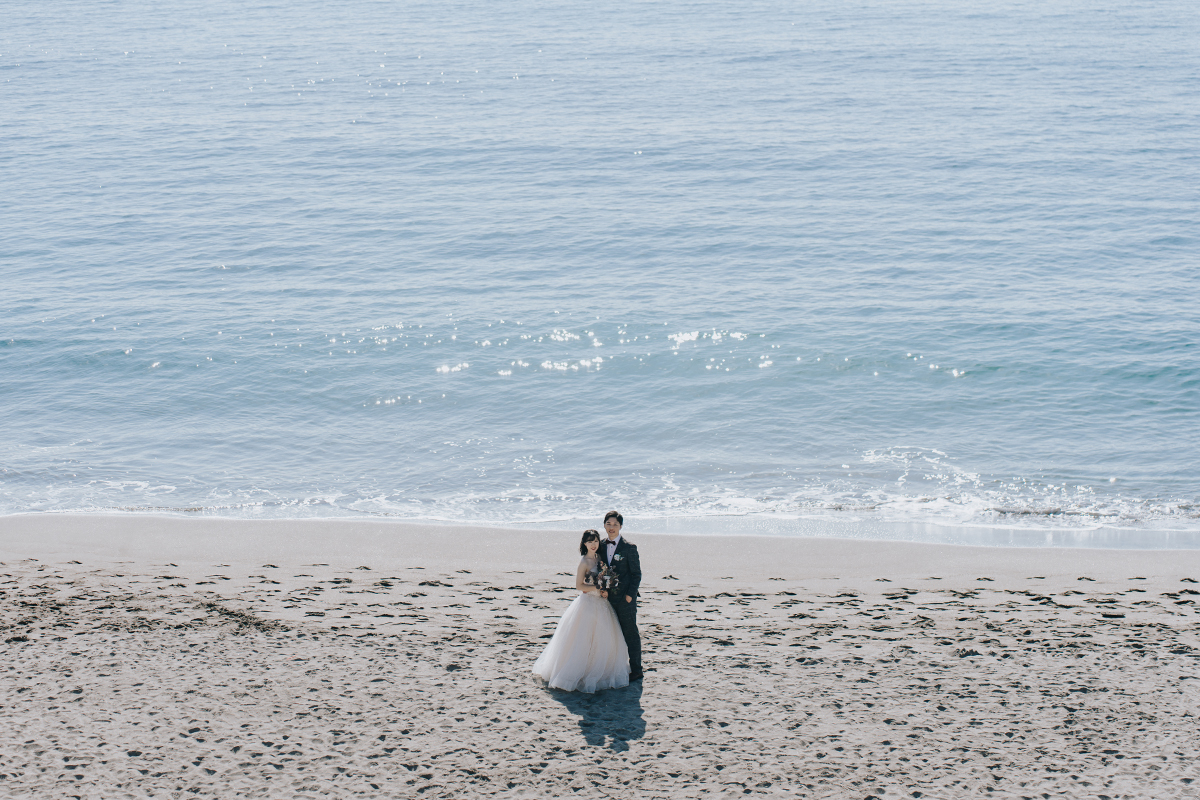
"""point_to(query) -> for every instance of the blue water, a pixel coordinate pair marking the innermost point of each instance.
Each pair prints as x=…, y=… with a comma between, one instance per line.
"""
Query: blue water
x=923, y=262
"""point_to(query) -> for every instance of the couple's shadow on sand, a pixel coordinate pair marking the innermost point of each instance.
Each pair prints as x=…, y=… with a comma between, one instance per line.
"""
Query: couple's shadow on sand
x=613, y=714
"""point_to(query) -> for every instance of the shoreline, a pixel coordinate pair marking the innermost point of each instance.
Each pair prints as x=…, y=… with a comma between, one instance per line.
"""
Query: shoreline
x=142, y=538
x=863, y=528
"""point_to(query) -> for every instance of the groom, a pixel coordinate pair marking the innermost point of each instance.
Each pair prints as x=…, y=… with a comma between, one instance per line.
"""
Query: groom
x=622, y=559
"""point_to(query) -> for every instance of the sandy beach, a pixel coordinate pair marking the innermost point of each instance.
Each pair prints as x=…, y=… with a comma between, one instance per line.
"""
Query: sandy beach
x=164, y=657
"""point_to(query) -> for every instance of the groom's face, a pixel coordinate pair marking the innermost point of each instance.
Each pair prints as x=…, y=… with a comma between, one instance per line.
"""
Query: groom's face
x=612, y=527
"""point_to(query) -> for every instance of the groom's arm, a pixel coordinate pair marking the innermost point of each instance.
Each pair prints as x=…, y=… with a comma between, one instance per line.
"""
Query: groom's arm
x=635, y=571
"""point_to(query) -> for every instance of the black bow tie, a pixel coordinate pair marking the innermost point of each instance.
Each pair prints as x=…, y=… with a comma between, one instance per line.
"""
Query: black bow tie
x=610, y=542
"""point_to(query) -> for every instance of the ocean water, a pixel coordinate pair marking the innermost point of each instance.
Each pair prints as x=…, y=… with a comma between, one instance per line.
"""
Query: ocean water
x=873, y=263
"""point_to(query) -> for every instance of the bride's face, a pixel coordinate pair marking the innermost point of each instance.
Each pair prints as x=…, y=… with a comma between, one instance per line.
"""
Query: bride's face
x=592, y=546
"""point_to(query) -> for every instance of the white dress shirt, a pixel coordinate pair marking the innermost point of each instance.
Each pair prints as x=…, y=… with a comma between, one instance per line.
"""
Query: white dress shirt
x=612, y=547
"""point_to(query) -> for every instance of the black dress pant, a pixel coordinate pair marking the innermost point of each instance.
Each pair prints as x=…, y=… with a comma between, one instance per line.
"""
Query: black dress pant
x=627, y=617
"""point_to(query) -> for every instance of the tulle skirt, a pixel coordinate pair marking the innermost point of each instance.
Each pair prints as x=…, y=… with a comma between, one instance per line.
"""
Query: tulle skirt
x=588, y=651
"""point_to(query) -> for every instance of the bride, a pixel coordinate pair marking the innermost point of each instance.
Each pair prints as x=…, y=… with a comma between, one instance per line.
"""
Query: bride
x=588, y=651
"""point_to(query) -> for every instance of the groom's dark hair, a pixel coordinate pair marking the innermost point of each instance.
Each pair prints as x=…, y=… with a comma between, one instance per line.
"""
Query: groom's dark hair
x=588, y=535
x=615, y=515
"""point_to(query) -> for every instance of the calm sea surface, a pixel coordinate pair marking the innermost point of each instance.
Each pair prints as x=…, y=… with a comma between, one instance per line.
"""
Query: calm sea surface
x=878, y=262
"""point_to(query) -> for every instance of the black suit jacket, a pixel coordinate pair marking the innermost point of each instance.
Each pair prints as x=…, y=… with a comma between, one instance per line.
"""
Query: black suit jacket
x=626, y=565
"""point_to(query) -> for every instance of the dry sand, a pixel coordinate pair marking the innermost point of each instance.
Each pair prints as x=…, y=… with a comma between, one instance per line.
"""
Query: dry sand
x=206, y=658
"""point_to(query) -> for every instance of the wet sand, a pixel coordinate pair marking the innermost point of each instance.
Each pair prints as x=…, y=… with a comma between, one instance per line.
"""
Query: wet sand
x=204, y=658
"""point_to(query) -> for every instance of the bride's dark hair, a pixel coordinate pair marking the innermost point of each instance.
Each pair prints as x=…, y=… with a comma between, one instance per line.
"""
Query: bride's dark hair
x=588, y=535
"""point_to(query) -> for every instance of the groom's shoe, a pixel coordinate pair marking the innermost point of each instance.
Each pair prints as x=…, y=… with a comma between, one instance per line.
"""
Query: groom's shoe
x=635, y=676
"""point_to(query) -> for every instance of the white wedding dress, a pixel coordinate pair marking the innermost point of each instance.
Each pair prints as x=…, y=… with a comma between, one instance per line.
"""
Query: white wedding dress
x=587, y=651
